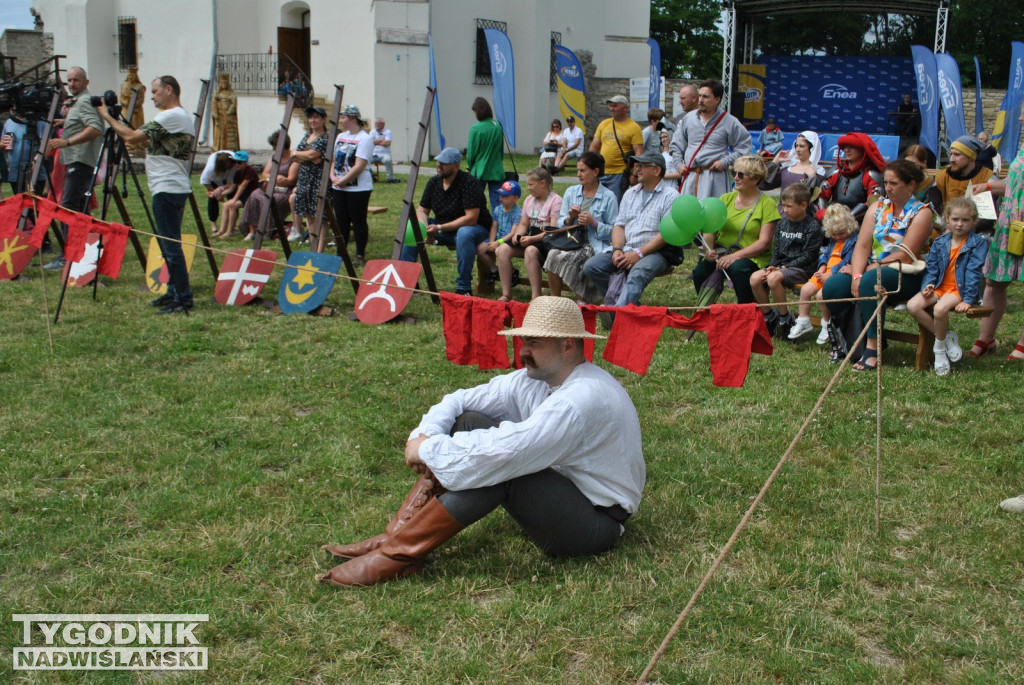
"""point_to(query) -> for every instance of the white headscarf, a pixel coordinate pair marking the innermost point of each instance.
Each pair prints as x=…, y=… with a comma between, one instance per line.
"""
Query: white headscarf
x=812, y=138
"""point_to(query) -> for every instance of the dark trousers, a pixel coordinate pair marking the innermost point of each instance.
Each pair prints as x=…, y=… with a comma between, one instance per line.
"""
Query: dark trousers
x=212, y=209
x=740, y=273
x=76, y=184
x=168, y=210
x=838, y=287
x=547, y=505
x=350, y=211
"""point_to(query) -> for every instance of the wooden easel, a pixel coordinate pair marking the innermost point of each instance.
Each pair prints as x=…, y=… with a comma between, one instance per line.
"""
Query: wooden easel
x=200, y=224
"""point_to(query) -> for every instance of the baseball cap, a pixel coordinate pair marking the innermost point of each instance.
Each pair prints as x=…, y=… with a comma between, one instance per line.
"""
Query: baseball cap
x=316, y=110
x=353, y=112
x=510, y=188
x=240, y=156
x=649, y=158
x=618, y=99
x=570, y=118
x=449, y=155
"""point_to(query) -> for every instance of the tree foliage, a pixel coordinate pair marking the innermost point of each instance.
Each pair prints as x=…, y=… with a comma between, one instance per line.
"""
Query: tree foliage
x=690, y=41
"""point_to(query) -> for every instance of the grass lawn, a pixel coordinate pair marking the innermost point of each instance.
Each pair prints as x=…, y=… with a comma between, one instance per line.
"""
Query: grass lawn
x=164, y=464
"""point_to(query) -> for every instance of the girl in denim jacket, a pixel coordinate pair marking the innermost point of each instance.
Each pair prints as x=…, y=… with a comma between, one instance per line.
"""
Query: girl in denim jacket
x=952, y=279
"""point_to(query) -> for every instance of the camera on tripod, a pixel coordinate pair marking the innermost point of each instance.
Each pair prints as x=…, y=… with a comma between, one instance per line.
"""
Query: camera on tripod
x=109, y=98
x=32, y=101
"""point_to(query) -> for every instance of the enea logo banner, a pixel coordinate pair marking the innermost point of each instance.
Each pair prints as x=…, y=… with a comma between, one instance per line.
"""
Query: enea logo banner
x=110, y=642
x=836, y=93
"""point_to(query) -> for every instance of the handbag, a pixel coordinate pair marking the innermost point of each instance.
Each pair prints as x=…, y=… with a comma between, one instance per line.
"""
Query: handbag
x=915, y=266
x=1015, y=240
x=567, y=238
x=551, y=147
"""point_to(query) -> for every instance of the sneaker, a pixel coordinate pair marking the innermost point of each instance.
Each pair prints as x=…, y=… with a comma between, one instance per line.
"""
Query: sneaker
x=771, y=319
x=55, y=265
x=801, y=327
x=785, y=325
x=162, y=301
x=1014, y=505
x=953, y=350
x=294, y=236
x=359, y=261
x=941, y=362
x=392, y=179
x=823, y=334
x=250, y=236
x=466, y=293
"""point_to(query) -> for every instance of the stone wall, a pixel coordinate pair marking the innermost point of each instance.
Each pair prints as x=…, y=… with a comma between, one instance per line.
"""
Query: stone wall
x=28, y=47
x=990, y=101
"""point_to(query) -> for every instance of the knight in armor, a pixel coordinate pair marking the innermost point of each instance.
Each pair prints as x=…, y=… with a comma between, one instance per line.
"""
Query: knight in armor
x=857, y=177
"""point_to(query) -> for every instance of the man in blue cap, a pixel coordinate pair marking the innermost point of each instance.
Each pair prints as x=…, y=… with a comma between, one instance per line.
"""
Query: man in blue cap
x=460, y=216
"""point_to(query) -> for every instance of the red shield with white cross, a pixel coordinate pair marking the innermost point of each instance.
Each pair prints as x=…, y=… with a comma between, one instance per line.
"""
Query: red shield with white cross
x=386, y=289
x=243, y=275
x=15, y=254
x=83, y=272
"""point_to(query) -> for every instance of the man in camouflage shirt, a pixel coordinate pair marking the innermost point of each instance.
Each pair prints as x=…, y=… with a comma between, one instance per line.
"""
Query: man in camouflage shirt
x=168, y=139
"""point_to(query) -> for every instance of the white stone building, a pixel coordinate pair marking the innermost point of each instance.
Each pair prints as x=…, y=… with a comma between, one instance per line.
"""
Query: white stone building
x=376, y=48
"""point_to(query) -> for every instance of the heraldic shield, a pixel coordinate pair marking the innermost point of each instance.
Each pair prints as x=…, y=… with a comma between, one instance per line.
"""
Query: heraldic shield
x=386, y=289
x=15, y=254
x=307, y=281
x=243, y=275
x=83, y=272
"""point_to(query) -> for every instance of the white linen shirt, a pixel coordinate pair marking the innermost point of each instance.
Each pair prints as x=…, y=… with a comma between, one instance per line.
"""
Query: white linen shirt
x=586, y=429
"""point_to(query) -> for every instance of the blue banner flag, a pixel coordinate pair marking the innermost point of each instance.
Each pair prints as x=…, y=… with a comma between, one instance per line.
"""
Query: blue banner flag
x=654, y=89
x=572, y=95
x=951, y=95
x=979, y=125
x=437, y=97
x=927, y=96
x=503, y=75
x=307, y=281
x=1007, y=128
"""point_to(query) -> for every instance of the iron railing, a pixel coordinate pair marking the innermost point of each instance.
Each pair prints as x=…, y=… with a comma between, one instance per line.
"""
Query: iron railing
x=267, y=73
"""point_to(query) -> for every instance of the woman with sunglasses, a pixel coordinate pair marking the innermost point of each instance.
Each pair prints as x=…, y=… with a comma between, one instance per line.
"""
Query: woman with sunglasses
x=553, y=142
x=745, y=241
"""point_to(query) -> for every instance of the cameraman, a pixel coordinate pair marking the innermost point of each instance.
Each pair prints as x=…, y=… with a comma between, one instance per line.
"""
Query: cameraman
x=169, y=139
x=80, y=143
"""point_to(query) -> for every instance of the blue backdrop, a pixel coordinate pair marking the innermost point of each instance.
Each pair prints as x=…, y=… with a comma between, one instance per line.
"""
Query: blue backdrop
x=836, y=93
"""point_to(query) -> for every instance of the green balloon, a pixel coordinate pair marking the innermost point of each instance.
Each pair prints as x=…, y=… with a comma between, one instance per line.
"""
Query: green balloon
x=672, y=234
x=410, y=235
x=687, y=212
x=714, y=214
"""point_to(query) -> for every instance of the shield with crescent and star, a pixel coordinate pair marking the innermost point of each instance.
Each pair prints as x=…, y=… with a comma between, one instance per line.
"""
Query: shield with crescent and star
x=157, y=276
x=83, y=272
x=15, y=254
x=385, y=290
x=243, y=275
x=307, y=281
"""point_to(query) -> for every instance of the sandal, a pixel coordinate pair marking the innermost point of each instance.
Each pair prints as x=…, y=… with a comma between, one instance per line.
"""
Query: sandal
x=1016, y=348
x=981, y=348
x=863, y=365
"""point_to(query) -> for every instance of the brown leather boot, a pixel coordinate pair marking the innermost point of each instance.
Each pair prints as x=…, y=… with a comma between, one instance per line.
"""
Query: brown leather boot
x=402, y=554
x=426, y=488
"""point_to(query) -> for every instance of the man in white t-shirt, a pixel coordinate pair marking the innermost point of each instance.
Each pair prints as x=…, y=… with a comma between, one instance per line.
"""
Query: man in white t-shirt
x=381, y=136
x=573, y=145
x=168, y=139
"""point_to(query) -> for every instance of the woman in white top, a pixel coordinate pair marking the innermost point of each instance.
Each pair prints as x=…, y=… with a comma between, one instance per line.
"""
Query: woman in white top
x=553, y=142
x=351, y=181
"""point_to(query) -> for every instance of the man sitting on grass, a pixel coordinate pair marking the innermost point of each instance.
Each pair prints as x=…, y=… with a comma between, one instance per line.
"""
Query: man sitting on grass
x=557, y=444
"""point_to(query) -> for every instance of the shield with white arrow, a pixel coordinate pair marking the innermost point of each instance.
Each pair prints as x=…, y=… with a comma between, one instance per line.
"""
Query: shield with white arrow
x=385, y=290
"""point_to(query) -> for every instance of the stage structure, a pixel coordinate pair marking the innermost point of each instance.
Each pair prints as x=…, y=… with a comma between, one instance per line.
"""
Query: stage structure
x=741, y=17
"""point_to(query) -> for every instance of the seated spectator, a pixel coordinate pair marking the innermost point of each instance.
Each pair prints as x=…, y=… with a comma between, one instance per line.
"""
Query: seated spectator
x=506, y=219
x=242, y=186
x=857, y=177
x=216, y=178
x=746, y=237
x=638, y=251
x=800, y=164
x=553, y=143
x=952, y=280
x=460, y=213
x=656, y=123
x=287, y=175
x=771, y=139
x=927, y=191
x=588, y=204
x=540, y=210
x=573, y=147
x=382, y=138
x=840, y=228
x=794, y=256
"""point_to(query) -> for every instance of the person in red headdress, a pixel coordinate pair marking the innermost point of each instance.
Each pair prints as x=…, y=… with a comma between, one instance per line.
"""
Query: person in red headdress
x=857, y=177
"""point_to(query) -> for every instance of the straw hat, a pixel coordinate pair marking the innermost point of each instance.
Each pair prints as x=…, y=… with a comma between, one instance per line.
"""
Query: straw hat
x=552, y=317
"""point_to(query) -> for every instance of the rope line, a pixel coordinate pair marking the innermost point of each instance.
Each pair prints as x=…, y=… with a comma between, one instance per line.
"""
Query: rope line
x=761, y=494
